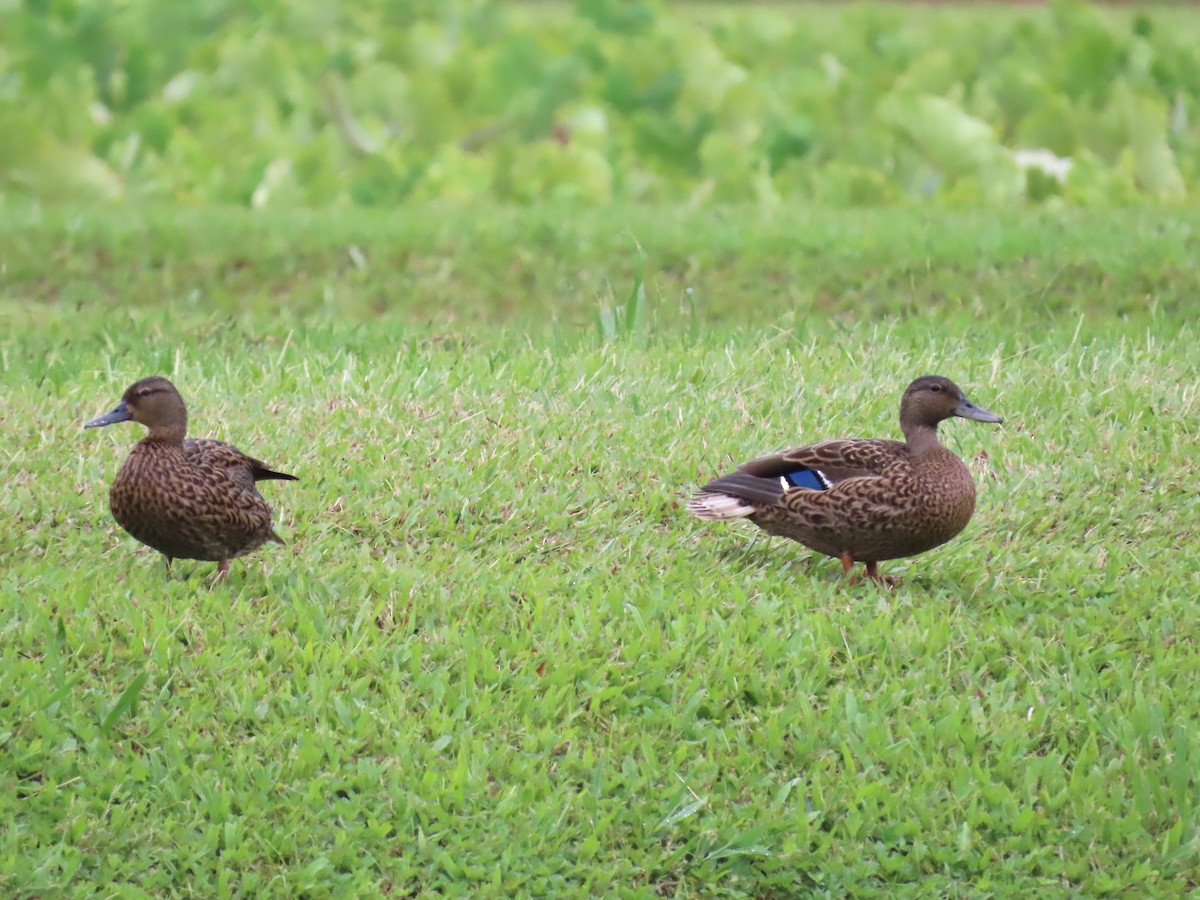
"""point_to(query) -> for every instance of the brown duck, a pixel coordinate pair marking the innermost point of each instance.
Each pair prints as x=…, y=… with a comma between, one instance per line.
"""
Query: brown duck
x=188, y=499
x=861, y=500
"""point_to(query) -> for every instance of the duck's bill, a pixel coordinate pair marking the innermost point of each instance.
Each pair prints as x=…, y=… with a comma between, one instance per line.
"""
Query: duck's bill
x=969, y=410
x=120, y=414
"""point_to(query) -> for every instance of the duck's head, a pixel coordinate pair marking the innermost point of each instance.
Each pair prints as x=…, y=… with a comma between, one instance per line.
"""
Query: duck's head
x=931, y=399
x=152, y=402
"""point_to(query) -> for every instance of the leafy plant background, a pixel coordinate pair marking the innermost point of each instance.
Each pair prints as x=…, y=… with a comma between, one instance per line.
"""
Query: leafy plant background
x=375, y=103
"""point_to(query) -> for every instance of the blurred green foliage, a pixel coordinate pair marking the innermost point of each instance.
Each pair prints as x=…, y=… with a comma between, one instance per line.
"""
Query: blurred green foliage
x=306, y=103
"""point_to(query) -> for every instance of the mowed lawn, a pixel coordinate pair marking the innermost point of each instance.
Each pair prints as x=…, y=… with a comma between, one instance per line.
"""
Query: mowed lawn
x=496, y=657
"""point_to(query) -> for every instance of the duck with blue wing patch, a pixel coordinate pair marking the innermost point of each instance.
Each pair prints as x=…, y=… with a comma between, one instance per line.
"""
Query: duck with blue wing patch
x=860, y=500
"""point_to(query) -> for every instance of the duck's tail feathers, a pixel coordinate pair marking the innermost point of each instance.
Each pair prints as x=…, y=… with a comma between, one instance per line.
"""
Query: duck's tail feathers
x=262, y=473
x=719, y=507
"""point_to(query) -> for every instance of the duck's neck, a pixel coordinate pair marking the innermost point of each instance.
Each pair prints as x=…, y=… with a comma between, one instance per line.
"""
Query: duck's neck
x=172, y=433
x=921, y=439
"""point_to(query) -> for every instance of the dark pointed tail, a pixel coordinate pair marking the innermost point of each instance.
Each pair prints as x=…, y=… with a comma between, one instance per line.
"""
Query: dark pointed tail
x=262, y=473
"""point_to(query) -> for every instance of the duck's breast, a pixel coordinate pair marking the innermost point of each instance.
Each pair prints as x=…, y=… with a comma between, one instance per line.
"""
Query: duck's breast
x=944, y=495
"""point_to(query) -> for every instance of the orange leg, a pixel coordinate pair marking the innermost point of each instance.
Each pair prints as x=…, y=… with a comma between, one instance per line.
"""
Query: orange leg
x=886, y=580
x=222, y=570
x=847, y=565
x=872, y=572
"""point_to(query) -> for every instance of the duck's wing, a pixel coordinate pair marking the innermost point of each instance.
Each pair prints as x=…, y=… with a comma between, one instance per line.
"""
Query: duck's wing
x=830, y=461
x=238, y=512
x=767, y=480
x=226, y=456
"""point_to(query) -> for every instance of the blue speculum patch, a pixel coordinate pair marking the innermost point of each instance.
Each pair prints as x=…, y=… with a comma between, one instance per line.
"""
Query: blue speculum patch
x=807, y=478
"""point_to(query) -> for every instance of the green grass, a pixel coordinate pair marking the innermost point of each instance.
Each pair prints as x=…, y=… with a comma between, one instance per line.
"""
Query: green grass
x=452, y=268
x=496, y=657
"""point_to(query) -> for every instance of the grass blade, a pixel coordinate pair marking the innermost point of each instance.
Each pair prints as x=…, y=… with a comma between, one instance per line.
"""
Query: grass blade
x=127, y=702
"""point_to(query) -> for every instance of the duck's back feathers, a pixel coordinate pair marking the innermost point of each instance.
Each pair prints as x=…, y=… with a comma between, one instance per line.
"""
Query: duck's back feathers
x=766, y=481
x=218, y=453
x=835, y=460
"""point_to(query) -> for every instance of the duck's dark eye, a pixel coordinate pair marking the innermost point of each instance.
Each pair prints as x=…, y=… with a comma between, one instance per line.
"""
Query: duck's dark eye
x=145, y=392
x=936, y=388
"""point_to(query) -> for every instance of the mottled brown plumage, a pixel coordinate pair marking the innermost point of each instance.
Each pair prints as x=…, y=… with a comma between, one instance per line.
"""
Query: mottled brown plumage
x=860, y=500
x=188, y=499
